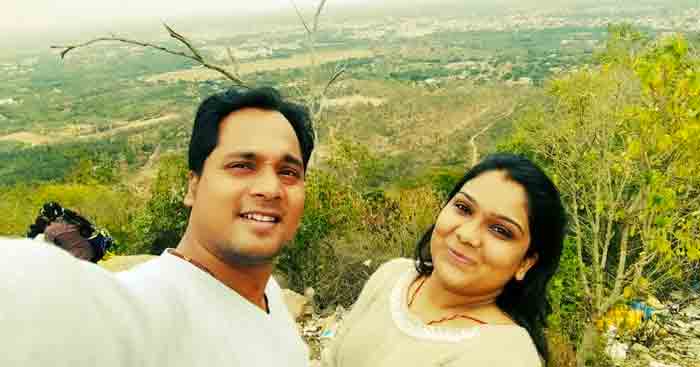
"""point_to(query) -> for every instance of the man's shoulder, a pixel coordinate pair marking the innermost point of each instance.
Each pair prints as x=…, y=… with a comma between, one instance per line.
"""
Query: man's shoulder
x=155, y=281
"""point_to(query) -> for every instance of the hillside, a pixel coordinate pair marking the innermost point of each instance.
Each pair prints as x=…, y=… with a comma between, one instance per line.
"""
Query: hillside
x=604, y=97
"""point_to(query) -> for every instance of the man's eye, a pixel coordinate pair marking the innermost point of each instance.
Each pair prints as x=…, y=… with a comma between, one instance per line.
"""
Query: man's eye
x=241, y=165
x=290, y=173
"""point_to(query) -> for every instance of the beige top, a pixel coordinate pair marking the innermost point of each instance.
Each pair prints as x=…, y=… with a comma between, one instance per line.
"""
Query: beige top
x=381, y=332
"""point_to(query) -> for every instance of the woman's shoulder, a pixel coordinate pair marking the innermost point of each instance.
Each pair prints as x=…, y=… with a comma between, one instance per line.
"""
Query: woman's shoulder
x=392, y=269
x=520, y=345
x=385, y=276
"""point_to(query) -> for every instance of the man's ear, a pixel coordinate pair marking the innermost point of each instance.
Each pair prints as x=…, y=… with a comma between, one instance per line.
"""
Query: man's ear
x=191, y=195
x=527, y=263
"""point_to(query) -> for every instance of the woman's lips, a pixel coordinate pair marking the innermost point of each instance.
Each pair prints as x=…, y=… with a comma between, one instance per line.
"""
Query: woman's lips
x=460, y=258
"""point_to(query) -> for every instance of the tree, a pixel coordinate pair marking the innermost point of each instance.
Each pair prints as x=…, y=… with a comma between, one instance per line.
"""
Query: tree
x=162, y=222
x=622, y=143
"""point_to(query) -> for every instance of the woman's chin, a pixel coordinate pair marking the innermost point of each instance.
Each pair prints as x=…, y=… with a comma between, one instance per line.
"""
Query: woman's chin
x=454, y=274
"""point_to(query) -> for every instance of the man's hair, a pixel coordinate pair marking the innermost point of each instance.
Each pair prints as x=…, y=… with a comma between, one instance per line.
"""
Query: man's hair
x=205, y=133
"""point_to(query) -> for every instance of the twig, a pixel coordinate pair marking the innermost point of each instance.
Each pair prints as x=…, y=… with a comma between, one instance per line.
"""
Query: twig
x=301, y=17
x=318, y=14
x=195, y=56
x=338, y=73
x=181, y=38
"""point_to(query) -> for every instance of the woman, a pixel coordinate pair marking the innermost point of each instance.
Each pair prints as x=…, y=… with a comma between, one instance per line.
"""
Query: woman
x=476, y=293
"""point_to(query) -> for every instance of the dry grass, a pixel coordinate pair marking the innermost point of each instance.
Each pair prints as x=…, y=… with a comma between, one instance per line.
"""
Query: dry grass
x=349, y=101
x=296, y=61
x=74, y=131
x=26, y=137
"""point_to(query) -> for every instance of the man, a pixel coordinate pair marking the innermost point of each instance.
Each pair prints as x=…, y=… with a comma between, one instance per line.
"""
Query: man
x=211, y=301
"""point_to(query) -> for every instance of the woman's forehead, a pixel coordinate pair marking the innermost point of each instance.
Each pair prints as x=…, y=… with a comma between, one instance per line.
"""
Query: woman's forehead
x=496, y=193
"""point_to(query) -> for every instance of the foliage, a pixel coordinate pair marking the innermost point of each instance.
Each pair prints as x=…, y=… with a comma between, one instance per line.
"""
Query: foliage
x=108, y=207
x=565, y=296
x=162, y=221
x=96, y=160
x=351, y=225
x=621, y=141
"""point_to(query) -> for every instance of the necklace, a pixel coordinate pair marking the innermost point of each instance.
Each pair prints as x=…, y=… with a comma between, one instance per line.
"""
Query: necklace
x=201, y=266
x=447, y=318
x=190, y=260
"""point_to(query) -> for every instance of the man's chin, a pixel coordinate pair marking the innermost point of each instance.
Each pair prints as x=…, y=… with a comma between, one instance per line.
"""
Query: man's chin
x=244, y=258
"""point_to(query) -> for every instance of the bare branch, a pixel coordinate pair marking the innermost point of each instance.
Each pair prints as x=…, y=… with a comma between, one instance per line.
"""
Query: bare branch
x=301, y=17
x=69, y=48
x=338, y=73
x=318, y=14
x=617, y=288
x=185, y=41
x=195, y=56
x=579, y=247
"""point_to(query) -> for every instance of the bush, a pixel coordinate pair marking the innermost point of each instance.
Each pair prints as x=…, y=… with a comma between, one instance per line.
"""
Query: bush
x=107, y=207
x=162, y=222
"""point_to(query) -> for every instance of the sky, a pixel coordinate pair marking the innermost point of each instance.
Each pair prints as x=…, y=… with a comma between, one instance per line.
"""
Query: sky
x=40, y=15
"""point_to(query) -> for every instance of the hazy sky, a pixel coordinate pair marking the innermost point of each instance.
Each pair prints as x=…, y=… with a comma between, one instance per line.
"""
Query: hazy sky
x=28, y=15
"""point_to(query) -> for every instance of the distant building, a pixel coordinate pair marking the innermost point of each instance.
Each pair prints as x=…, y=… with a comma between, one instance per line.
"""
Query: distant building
x=8, y=101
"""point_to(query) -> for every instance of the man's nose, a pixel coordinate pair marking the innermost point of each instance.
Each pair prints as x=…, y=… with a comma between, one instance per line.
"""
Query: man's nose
x=267, y=185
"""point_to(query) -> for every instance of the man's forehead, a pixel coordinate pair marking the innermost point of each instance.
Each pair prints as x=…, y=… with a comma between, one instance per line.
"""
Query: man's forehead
x=259, y=132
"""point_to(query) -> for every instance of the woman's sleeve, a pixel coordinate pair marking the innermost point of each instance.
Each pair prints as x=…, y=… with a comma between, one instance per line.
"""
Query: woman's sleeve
x=380, y=280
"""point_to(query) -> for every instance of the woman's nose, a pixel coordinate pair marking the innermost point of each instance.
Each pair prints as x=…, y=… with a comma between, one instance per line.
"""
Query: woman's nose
x=468, y=233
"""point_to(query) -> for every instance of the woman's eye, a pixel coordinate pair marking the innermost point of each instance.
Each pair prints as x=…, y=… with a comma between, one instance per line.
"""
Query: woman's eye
x=466, y=209
x=503, y=232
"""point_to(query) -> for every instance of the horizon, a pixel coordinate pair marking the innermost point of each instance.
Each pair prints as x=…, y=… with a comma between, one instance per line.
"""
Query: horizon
x=40, y=23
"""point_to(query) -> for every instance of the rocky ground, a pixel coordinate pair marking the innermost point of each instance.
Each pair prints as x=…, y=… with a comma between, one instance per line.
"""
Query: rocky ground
x=670, y=339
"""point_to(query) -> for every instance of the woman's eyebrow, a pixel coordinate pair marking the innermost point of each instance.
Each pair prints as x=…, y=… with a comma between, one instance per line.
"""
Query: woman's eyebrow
x=499, y=216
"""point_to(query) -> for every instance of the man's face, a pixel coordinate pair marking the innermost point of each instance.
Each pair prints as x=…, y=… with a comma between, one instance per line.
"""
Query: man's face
x=249, y=199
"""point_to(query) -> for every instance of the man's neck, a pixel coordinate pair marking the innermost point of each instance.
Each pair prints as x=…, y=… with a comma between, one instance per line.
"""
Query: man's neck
x=248, y=281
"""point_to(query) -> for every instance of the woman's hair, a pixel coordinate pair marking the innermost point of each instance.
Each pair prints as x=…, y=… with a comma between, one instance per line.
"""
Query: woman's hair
x=524, y=301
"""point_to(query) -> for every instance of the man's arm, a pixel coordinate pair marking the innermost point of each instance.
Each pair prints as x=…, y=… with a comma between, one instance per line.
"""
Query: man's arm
x=58, y=311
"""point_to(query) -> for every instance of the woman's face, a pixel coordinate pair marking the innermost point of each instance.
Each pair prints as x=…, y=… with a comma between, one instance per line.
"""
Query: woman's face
x=481, y=237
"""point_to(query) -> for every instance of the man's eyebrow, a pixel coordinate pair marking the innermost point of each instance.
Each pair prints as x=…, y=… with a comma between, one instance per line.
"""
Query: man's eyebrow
x=243, y=155
x=288, y=158
x=251, y=156
x=499, y=216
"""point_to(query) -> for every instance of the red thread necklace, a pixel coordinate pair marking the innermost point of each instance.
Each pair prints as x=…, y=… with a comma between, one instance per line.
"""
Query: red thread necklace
x=206, y=270
x=447, y=318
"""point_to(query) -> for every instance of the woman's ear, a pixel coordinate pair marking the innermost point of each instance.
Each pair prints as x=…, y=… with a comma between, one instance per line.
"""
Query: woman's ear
x=527, y=263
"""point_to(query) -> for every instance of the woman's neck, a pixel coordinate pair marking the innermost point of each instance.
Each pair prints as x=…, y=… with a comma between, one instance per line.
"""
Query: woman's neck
x=430, y=300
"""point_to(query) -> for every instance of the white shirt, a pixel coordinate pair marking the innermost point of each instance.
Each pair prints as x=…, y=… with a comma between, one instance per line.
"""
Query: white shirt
x=58, y=311
x=206, y=323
